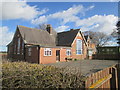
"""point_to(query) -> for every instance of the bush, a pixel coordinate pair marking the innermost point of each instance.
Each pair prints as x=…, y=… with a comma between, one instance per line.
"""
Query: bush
x=70, y=59
x=25, y=75
x=75, y=59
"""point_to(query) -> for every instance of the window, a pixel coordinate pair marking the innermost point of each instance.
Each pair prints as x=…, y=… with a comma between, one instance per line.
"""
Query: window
x=18, y=47
x=47, y=52
x=15, y=49
x=22, y=48
x=68, y=52
x=78, y=46
x=29, y=51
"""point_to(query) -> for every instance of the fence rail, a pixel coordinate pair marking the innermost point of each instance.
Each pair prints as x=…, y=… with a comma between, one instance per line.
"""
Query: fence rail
x=101, y=82
x=106, y=78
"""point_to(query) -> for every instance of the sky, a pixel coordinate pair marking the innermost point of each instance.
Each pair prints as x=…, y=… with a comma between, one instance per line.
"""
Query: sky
x=89, y=16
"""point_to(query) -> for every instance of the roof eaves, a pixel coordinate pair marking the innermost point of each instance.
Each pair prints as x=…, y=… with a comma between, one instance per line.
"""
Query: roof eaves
x=21, y=34
x=84, y=39
x=75, y=36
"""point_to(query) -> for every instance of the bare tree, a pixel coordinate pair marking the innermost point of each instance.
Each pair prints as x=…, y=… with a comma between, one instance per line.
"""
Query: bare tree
x=118, y=28
x=99, y=38
x=114, y=34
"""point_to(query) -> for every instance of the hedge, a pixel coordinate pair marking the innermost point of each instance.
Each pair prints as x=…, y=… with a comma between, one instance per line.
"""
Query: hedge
x=26, y=75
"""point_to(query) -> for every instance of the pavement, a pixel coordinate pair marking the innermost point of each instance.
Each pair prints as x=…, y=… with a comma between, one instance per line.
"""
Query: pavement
x=85, y=67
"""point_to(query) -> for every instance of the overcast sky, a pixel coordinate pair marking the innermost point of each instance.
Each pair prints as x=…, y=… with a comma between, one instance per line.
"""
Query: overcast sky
x=93, y=16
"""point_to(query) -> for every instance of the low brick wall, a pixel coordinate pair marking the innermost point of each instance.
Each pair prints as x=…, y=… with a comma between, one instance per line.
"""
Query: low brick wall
x=106, y=56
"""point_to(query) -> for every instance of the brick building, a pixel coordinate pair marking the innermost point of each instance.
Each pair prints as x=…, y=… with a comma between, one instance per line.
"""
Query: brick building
x=47, y=46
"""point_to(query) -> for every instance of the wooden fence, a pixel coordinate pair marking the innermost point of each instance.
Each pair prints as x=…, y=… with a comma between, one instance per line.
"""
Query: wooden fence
x=106, y=56
x=103, y=79
x=3, y=55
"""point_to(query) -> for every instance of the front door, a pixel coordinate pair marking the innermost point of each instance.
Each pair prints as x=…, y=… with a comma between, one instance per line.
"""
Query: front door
x=57, y=55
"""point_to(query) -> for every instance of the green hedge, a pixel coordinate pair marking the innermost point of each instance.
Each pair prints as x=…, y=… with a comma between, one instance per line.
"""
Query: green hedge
x=25, y=75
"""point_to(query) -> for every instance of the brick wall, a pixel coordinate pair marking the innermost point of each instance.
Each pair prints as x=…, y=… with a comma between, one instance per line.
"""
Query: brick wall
x=34, y=57
x=52, y=59
x=11, y=48
x=10, y=51
x=81, y=56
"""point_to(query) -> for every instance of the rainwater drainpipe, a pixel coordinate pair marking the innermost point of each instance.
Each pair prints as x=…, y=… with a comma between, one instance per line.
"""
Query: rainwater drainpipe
x=116, y=76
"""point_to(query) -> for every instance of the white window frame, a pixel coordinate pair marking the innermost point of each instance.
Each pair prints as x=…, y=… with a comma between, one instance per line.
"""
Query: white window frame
x=68, y=52
x=81, y=50
x=47, y=52
x=18, y=46
x=29, y=51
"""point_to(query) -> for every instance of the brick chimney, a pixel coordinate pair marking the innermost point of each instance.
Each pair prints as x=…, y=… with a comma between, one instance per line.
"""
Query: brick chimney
x=49, y=28
x=71, y=29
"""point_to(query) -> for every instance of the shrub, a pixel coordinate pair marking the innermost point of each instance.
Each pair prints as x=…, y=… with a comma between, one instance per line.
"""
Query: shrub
x=70, y=59
x=25, y=75
x=75, y=59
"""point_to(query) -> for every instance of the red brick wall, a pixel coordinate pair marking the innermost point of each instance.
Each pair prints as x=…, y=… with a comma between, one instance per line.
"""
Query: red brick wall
x=34, y=58
x=80, y=56
x=52, y=59
x=10, y=51
x=63, y=54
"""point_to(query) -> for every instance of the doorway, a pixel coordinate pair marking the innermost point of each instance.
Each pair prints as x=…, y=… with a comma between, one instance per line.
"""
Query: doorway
x=57, y=55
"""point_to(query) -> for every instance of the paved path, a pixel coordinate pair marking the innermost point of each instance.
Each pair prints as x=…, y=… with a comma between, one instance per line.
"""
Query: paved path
x=84, y=67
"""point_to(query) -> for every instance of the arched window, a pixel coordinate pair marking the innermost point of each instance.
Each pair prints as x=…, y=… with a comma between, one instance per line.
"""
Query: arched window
x=22, y=47
x=18, y=47
x=68, y=52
